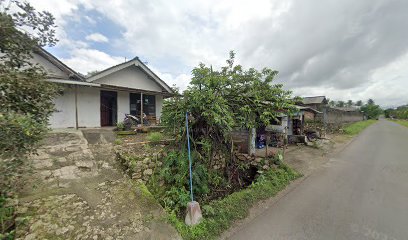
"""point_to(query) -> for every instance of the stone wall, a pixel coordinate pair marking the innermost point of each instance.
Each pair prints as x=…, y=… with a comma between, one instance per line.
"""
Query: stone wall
x=338, y=117
x=139, y=165
x=240, y=138
x=259, y=162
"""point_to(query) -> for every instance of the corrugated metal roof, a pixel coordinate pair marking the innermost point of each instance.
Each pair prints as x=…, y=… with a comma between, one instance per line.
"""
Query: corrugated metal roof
x=347, y=109
x=314, y=100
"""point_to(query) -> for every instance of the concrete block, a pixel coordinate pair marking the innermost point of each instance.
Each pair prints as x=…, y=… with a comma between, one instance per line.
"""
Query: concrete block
x=194, y=215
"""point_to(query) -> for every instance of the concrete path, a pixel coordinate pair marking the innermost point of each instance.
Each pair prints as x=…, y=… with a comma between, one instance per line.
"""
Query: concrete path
x=361, y=193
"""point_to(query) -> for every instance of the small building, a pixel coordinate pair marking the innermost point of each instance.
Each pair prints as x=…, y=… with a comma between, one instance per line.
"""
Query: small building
x=104, y=98
x=318, y=103
x=288, y=128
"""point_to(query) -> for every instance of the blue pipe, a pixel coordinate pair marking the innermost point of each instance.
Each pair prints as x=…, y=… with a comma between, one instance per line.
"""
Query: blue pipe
x=189, y=159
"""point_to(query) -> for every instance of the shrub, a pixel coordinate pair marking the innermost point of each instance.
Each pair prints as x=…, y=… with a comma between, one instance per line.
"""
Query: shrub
x=220, y=214
x=155, y=137
x=120, y=126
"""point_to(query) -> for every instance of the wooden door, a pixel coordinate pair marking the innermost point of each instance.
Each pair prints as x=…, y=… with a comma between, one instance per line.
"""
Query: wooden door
x=108, y=108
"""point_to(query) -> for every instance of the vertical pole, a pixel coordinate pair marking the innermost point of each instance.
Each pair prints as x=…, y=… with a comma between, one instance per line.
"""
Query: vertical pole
x=189, y=159
x=251, y=144
x=141, y=109
x=76, y=107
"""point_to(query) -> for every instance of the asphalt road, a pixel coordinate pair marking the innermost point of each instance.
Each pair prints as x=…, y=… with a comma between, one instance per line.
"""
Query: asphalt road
x=361, y=193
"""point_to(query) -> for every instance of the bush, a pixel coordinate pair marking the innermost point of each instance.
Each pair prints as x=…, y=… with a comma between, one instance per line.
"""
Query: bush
x=120, y=126
x=155, y=137
x=219, y=215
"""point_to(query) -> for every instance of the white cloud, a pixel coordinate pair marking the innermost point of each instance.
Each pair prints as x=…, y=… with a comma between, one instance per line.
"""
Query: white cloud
x=341, y=49
x=86, y=60
x=97, y=37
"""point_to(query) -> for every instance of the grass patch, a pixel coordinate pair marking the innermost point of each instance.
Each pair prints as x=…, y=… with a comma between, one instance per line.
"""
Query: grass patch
x=219, y=215
x=154, y=137
x=401, y=122
x=126, y=133
x=357, y=127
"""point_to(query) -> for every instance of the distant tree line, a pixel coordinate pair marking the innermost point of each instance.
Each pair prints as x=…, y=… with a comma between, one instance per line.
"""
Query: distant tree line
x=349, y=103
x=370, y=109
x=400, y=112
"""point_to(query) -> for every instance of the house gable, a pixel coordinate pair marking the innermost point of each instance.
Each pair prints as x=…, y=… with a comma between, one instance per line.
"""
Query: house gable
x=130, y=77
x=51, y=69
x=54, y=68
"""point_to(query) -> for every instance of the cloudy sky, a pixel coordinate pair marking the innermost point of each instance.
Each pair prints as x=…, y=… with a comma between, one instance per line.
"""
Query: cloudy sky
x=344, y=49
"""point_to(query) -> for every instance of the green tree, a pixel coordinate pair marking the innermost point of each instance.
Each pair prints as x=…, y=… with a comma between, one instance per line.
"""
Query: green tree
x=371, y=110
x=219, y=101
x=350, y=103
x=25, y=98
x=340, y=104
x=359, y=103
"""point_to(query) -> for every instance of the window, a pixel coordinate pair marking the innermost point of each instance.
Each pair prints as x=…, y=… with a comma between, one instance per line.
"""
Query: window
x=149, y=104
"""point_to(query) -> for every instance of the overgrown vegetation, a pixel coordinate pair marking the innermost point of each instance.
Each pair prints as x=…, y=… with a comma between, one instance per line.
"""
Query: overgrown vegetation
x=154, y=137
x=218, y=101
x=220, y=214
x=357, y=127
x=25, y=98
x=400, y=112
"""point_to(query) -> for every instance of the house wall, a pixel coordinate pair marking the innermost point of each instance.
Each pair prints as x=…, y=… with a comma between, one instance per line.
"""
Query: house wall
x=123, y=105
x=241, y=139
x=89, y=107
x=89, y=114
x=64, y=116
x=336, y=116
x=159, y=106
x=130, y=77
x=309, y=116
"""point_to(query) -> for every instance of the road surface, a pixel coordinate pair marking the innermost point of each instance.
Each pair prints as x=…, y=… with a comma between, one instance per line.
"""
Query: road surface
x=361, y=193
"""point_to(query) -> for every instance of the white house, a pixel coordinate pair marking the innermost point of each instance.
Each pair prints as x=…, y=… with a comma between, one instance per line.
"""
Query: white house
x=104, y=98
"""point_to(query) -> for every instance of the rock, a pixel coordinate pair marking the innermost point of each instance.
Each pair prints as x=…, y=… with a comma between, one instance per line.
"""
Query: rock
x=31, y=236
x=84, y=164
x=258, y=159
x=68, y=172
x=265, y=167
x=148, y=172
x=136, y=175
x=61, y=231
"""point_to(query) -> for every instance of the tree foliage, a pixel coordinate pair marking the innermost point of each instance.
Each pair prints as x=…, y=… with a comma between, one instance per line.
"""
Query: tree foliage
x=221, y=100
x=25, y=98
x=371, y=110
x=400, y=112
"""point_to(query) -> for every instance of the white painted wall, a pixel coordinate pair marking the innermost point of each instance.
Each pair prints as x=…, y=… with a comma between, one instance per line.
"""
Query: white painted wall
x=159, y=106
x=123, y=105
x=89, y=114
x=64, y=116
x=89, y=107
x=130, y=77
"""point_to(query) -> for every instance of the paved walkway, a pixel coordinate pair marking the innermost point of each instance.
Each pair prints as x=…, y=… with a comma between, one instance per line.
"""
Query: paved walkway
x=361, y=193
x=77, y=191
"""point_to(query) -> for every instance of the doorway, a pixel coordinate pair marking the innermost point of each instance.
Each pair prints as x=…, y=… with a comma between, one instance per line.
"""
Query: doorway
x=109, y=113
